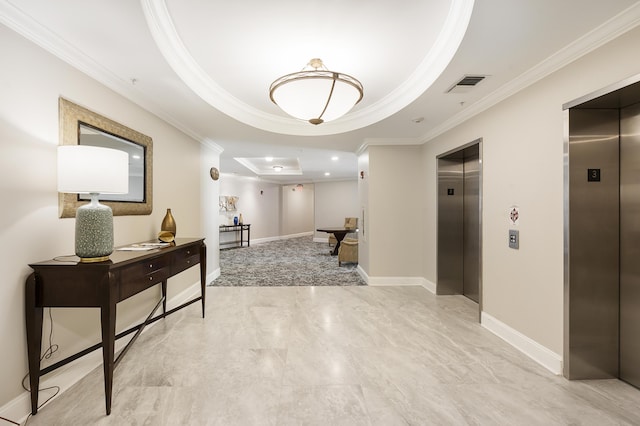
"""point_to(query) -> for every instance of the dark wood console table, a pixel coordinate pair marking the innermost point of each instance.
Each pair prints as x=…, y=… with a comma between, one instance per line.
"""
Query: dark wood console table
x=69, y=283
x=237, y=228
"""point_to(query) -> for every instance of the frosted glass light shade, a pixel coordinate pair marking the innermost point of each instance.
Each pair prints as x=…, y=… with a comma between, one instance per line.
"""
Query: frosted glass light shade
x=85, y=169
x=316, y=95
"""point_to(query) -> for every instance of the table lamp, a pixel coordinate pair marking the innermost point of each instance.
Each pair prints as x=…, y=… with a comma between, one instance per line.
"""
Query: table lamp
x=84, y=169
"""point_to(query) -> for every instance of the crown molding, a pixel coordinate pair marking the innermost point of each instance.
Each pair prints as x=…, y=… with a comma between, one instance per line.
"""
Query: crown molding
x=23, y=24
x=608, y=31
x=26, y=26
x=217, y=149
x=364, y=146
x=368, y=142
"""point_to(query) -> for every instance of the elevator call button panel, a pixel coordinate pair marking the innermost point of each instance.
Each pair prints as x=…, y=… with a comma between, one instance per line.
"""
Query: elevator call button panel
x=514, y=239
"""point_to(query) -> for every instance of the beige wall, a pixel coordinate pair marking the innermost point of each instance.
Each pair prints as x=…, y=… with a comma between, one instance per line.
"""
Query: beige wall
x=31, y=230
x=261, y=210
x=333, y=202
x=523, y=166
x=394, y=211
x=297, y=209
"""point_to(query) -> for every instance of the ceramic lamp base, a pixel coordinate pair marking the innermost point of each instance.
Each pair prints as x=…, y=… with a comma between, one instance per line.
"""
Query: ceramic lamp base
x=94, y=231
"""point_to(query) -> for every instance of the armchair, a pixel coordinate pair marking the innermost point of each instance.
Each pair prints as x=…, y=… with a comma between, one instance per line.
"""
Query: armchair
x=348, y=251
x=351, y=222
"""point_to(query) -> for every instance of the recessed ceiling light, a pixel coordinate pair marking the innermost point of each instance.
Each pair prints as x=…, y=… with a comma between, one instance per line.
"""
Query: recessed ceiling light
x=327, y=174
x=269, y=159
x=334, y=158
x=278, y=168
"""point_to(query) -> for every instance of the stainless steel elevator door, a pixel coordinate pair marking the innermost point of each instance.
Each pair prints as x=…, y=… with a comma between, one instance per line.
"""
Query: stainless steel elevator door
x=450, y=226
x=459, y=223
x=630, y=244
x=592, y=350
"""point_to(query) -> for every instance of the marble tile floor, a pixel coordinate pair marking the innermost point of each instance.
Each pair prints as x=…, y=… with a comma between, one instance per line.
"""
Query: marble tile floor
x=334, y=356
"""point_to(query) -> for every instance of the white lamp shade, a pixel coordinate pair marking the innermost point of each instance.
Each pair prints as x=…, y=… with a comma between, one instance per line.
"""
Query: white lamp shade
x=91, y=169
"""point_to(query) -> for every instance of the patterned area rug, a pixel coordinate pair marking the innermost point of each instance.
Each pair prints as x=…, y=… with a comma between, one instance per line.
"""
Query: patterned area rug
x=291, y=262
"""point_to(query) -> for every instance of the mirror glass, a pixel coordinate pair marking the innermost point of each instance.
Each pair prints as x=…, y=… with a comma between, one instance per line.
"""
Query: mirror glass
x=89, y=135
x=79, y=125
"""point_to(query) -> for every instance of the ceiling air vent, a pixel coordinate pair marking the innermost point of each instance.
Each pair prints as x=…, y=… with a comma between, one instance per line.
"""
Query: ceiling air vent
x=466, y=83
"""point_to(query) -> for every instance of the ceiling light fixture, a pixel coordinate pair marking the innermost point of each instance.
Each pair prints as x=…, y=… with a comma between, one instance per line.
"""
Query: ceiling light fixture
x=278, y=168
x=316, y=94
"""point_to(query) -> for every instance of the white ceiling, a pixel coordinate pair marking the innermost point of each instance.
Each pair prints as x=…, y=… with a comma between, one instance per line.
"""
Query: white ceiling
x=206, y=65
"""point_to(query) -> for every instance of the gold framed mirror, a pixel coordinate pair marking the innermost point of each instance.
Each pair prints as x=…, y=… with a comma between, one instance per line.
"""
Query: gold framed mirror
x=80, y=126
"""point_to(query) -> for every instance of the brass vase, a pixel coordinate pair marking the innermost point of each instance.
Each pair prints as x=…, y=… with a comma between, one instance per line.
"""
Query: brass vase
x=169, y=223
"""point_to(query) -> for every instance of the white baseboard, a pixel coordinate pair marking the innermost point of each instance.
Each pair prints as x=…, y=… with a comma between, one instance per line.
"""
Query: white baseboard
x=213, y=275
x=362, y=274
x=66, y=376
x=185, y=295
x=301, y=234
x=395, y=281
x=280, y=237
x=430, y=286
x=542, y=355
x=264, y=240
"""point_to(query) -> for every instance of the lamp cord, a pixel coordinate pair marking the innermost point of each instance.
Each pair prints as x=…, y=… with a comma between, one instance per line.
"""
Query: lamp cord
x=48, y=353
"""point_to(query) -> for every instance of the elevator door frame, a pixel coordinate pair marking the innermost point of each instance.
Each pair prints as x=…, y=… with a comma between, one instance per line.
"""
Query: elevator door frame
x=577, y=347
x=460, y=149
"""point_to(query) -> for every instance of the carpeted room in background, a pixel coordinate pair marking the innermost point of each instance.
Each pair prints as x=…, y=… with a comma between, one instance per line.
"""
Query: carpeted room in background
x=291, y=262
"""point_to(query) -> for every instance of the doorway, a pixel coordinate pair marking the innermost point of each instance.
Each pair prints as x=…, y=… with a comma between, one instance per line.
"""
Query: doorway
x=602, y=234
x=459, y=222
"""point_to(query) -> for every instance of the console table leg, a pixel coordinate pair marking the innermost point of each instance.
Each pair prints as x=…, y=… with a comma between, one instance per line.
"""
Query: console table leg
x=108, y=317
x=34, y=339
x=164, y=297
x=203, y=274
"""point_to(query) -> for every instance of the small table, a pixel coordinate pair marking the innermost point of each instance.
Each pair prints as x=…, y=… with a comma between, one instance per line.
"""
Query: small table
x=339, y=233
x=237, y=228
x=71, y=284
